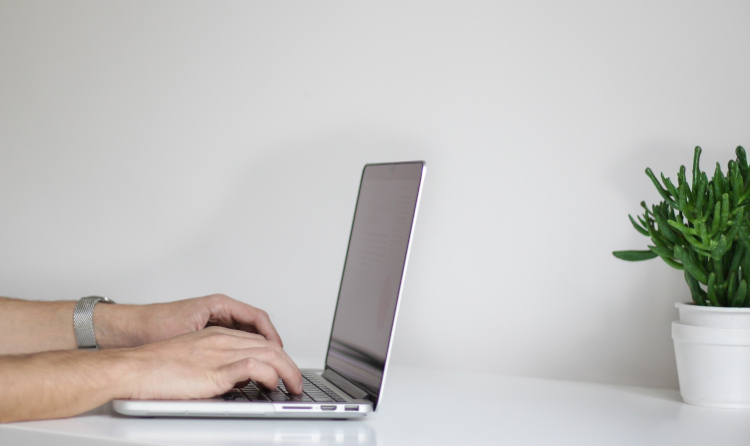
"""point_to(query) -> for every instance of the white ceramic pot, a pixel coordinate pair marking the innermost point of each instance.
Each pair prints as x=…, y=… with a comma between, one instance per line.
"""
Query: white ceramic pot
x=712, y=348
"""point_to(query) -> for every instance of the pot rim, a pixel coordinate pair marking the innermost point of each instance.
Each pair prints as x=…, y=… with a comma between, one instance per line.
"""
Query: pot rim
x=693, y=306
x=691, y=334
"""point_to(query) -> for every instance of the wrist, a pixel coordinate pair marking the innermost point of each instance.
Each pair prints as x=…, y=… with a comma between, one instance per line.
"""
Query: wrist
x=115, y=326
x=124, y=371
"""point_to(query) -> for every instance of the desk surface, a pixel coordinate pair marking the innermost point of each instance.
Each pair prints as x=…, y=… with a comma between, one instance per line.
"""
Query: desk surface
x=420, y=407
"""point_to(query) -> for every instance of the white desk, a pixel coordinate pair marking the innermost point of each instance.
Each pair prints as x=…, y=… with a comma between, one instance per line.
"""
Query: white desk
x=485, y=409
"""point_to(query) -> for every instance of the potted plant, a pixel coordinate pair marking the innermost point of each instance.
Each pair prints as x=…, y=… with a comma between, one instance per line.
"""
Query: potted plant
x=702, y=227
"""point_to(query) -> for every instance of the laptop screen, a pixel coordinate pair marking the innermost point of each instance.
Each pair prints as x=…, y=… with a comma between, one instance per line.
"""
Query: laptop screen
x=373, y=273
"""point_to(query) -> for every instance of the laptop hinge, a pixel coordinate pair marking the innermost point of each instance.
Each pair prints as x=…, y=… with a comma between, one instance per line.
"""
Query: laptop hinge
x=344, y=384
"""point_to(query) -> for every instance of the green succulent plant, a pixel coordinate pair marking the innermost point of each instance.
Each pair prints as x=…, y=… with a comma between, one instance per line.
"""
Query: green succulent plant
x=703, y=228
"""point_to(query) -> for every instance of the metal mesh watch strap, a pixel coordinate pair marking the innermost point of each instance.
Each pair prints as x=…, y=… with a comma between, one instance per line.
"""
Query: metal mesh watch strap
x=83, y=321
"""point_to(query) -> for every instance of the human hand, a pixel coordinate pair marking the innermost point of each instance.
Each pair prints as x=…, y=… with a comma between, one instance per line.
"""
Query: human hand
x=204, y=364
x=134, y=325
x=201, y=364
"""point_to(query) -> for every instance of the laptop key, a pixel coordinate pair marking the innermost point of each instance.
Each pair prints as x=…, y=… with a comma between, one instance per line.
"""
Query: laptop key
x=255, y=396
x=234, y=395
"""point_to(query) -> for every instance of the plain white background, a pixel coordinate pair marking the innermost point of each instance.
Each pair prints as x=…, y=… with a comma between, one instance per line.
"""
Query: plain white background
x=151, y=151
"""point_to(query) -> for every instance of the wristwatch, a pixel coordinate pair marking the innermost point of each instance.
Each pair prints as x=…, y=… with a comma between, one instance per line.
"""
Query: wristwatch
x=83, y=321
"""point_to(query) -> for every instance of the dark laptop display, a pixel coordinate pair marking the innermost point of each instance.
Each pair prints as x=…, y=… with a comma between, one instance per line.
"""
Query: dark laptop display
x=373, y=274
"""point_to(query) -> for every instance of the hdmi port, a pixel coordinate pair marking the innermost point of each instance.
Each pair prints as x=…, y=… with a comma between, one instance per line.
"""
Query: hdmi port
x=328, y=407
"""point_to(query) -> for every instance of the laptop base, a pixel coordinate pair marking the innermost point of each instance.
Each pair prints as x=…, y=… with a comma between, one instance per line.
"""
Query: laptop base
x=219, y=407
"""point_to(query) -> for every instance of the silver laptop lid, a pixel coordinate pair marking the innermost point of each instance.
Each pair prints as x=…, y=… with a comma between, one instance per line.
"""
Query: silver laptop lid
x=373, y=277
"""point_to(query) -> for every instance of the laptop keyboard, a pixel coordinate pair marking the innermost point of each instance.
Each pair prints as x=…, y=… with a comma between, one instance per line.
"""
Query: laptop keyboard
x=314, y=391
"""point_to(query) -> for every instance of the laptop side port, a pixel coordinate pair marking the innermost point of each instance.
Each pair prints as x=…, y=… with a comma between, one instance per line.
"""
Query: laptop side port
x=328, y=407
x=351, y=408
x=295, y=407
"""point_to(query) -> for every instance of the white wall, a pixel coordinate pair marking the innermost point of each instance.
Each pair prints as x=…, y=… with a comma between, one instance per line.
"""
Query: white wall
x=155, y=151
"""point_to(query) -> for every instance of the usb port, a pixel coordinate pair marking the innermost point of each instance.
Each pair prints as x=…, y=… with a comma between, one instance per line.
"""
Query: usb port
x=352, y=408
x=328, y=407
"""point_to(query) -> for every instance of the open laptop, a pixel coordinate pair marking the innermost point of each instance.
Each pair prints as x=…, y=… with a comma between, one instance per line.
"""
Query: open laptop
x=352, y=383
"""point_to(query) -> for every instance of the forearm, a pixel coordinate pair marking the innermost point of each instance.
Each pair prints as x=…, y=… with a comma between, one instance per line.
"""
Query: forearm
x=62, y=384
x=28, y=327
x=31, y=326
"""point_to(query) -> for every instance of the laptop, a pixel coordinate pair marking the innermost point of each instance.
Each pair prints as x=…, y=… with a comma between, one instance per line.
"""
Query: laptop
x=352, y=383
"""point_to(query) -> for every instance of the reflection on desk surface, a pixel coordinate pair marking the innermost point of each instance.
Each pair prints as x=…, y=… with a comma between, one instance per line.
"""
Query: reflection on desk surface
x=187, y=432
